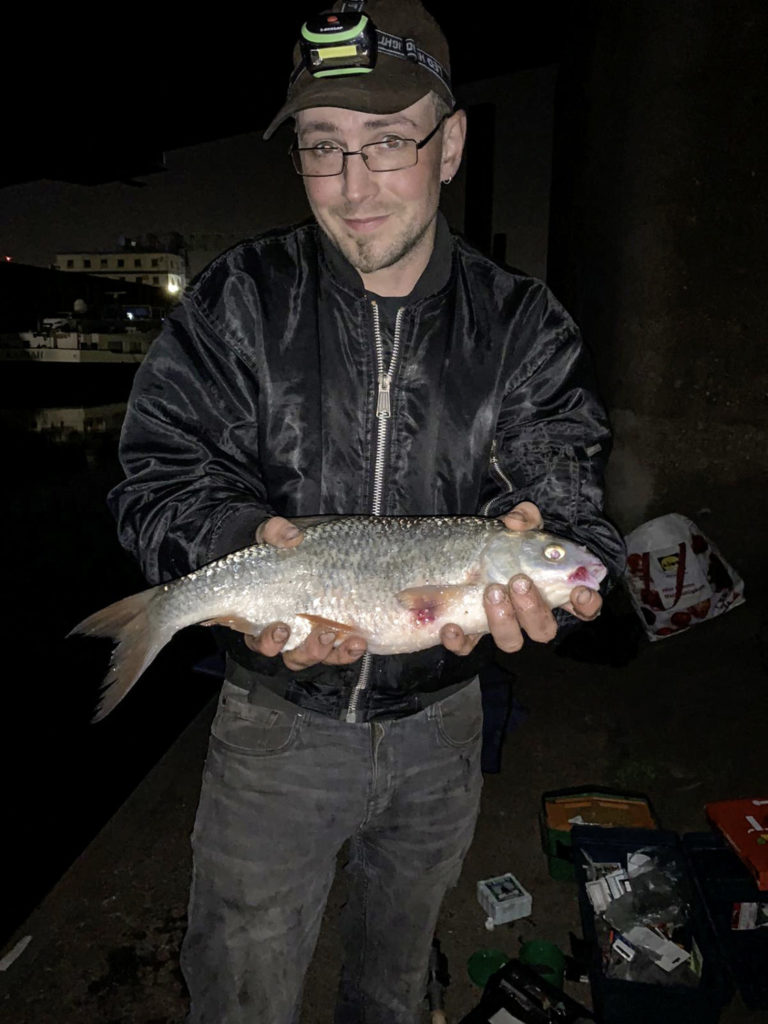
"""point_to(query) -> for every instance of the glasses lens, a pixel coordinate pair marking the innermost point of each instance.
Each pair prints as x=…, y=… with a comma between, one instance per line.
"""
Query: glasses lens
x=319, y=161
x=391, y=155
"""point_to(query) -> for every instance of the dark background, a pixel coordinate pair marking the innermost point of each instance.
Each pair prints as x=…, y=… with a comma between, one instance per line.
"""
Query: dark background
x=657, y=245
x=107, y=110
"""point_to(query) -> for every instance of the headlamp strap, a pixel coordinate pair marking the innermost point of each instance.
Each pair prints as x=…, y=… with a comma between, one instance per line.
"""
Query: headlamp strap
x=403, y=49
x=406, y=49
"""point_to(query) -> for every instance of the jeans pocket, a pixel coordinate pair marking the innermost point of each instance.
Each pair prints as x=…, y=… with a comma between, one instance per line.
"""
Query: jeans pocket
x=459, y=718
x=253, y=729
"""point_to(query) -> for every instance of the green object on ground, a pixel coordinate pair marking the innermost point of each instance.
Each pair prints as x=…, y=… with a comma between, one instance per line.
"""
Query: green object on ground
x=546, y=959
x=485, y=962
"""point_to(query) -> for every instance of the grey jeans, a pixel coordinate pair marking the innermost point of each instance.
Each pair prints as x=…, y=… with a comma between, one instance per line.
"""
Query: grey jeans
x=283, y=790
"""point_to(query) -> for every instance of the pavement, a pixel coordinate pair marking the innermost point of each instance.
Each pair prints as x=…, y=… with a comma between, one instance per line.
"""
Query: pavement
x=681, y=720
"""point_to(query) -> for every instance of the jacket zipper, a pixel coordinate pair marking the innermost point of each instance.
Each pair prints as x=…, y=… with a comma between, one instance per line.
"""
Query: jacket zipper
x=501, y=475
x=383, y=416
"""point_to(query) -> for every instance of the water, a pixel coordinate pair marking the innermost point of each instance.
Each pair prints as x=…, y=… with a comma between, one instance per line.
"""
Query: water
x=63, y=778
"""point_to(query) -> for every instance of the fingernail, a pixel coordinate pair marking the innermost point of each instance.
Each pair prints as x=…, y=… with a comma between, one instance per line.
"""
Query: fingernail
x=451, y=632
x=280, y=633
x=328, y=637
x=521, y=584
x=291, y=531
x=583, y=595
x=495, y=595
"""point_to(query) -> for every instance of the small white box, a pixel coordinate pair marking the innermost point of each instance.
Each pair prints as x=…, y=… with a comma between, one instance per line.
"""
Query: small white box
x=503, y=899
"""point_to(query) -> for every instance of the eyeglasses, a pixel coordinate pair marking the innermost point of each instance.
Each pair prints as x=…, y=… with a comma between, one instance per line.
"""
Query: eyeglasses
x=327, y=159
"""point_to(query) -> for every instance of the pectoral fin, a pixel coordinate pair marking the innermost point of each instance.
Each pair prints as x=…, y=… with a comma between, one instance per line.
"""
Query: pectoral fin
x=342, y=629
x=234, y=622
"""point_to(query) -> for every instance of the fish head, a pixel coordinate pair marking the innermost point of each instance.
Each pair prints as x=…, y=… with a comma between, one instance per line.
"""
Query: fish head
x=554, y=564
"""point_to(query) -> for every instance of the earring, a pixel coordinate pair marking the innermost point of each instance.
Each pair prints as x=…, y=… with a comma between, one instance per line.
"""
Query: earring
x=446, y=181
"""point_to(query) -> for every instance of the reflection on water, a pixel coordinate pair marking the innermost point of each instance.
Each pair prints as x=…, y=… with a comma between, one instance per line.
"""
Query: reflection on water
x=61, y=561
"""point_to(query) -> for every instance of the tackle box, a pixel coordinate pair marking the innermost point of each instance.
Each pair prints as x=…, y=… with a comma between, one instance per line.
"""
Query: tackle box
x=734, y=904
x=618, y=1000
x=588, y=806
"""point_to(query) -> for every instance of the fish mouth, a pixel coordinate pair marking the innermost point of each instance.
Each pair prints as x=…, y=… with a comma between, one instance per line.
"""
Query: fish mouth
x=589, y=575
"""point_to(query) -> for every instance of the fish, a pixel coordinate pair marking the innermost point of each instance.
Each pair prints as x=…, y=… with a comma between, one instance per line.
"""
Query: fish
x=394, y=580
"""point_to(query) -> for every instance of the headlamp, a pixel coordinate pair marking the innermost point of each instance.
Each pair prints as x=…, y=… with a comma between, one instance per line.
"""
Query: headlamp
x=338, y=43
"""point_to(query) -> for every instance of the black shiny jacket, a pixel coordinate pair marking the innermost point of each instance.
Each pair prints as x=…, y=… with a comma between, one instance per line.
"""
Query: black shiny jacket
x=258, y=398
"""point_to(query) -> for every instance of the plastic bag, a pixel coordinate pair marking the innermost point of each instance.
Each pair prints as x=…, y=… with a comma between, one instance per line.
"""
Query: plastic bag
x=676, y=577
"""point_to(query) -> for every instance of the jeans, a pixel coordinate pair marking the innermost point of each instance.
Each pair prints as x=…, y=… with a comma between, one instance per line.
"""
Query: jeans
x=283, y=790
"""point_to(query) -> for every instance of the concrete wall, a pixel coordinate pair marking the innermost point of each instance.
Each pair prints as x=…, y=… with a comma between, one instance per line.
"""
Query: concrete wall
x=520, y=152
x=658, y=248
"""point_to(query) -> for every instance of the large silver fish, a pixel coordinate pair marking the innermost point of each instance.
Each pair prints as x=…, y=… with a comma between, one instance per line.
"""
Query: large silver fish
x=393, y=580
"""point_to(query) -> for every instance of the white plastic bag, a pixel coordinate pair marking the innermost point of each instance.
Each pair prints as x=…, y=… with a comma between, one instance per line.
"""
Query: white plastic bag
x=676, y=577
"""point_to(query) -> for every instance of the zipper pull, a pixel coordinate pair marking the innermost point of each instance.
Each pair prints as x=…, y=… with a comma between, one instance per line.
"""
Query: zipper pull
x=383, y=410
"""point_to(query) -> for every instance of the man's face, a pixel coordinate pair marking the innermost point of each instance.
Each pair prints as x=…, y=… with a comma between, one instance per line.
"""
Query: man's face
x=381, y=222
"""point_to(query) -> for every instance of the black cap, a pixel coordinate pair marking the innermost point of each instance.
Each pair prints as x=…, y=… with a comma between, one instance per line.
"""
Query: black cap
x=394, y=83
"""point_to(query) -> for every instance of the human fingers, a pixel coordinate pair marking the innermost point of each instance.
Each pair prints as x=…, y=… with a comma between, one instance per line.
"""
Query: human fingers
x=270, y=641
x=502, y=620
x=454, y=639
x=312, y=651
x=279, y=532
x=348, y=651
x=585, y=603
x=524, y=516
x=319, y=647
x=533, y=615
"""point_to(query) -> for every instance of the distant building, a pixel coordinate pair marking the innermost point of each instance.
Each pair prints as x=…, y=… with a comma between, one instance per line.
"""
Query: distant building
x=166, y=270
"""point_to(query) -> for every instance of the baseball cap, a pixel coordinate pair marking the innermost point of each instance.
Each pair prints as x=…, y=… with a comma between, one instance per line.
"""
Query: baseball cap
x=412, y=60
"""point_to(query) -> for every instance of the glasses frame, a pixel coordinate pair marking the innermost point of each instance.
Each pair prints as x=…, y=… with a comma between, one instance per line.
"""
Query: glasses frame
x=295, y=151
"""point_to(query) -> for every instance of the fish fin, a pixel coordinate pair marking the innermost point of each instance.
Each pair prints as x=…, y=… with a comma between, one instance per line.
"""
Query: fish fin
x=138, y=640
x=342, y=629
x=430, y=598
x=235, y=622
x=303, y=522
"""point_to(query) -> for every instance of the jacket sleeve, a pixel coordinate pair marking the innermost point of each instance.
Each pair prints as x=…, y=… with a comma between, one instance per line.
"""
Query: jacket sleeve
x=553, y=439
x=189, y=450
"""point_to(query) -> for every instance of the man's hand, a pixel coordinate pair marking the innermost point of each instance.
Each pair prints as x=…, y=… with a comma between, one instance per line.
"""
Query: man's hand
x=319, y=645
x=519, y=608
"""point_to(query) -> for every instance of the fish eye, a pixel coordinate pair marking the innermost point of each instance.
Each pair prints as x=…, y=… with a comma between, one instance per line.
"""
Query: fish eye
x=554, y=552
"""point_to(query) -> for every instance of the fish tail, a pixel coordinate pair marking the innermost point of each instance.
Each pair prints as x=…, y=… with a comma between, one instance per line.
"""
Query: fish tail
x=138, y=640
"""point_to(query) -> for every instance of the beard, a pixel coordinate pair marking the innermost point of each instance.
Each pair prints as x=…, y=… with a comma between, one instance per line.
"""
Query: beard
x=367, y=254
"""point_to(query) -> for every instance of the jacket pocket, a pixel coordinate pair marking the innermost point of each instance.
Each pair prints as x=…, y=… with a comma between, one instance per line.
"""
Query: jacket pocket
x=550, y=475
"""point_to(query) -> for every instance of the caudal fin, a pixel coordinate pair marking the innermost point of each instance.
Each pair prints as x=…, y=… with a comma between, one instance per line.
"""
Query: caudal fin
x=138, y=641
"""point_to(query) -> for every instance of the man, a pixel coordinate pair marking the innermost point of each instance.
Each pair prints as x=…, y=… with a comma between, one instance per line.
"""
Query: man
x=367, y=362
